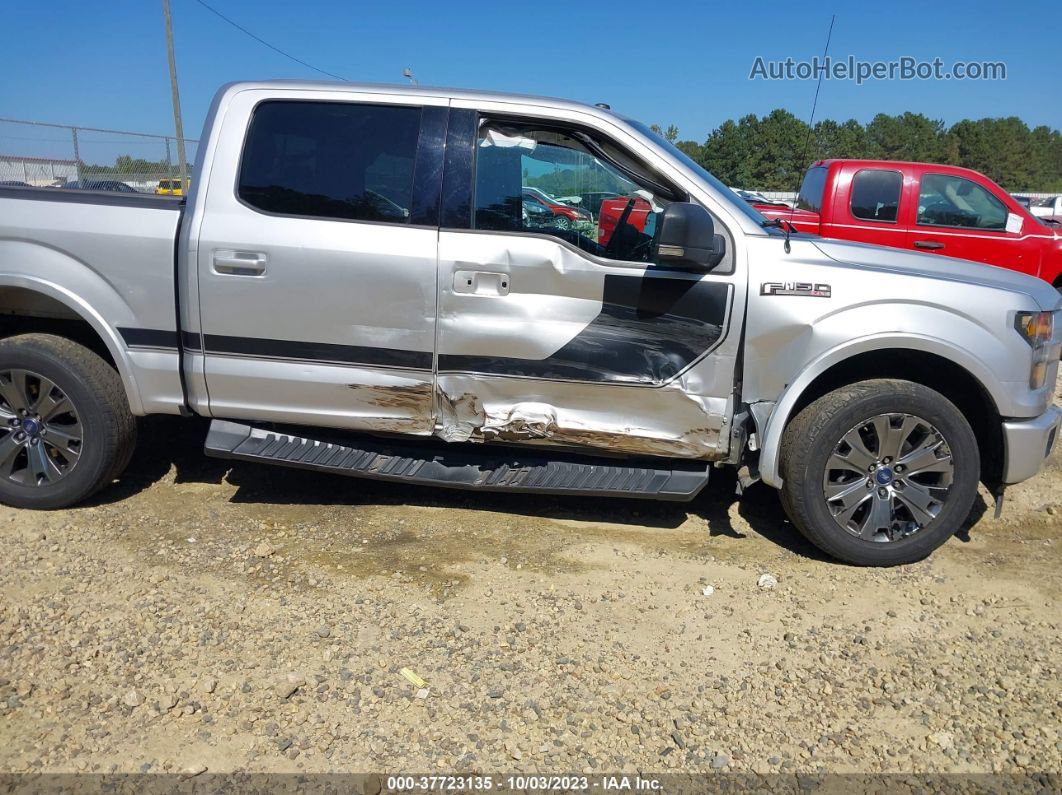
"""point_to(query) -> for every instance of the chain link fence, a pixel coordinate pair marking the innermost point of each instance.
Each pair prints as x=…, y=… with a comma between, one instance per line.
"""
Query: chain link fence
x=42, y=155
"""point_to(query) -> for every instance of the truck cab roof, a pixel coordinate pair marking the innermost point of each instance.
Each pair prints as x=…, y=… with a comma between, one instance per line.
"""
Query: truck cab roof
x=469, y=94
x=909, y=166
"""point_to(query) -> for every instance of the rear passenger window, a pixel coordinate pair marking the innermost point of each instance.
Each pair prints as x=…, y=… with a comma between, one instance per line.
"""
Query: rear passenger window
x=876, y=195
x=331, y=160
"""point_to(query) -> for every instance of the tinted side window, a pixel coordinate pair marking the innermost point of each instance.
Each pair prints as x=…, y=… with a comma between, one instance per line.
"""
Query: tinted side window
x=331, y=160
x=810, y=196
x=876, y=195
x=954, y=201
x=546, y=181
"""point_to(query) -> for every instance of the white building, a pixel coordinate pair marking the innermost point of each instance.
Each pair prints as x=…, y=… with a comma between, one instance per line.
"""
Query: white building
x=36, y=170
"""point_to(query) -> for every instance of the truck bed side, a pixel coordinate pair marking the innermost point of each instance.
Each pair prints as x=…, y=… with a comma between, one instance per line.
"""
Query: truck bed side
x=104, y=263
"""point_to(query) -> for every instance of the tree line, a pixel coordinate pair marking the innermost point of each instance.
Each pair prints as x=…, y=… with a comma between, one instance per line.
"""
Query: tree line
x=768, y=153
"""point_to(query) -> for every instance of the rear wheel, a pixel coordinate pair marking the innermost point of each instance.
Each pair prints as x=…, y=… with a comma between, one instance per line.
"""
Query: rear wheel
x=561, y=222
x=65, y=425
x=880, y=472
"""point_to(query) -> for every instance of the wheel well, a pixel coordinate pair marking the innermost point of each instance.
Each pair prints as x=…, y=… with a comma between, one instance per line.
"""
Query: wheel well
x=935, y=372
x=27, y=311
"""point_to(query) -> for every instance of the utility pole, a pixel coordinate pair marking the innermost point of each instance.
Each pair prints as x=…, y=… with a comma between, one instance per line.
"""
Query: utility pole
x=182, y=161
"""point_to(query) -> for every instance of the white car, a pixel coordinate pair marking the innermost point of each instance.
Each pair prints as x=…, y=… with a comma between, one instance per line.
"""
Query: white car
x=1047, y=208
x=755, y=197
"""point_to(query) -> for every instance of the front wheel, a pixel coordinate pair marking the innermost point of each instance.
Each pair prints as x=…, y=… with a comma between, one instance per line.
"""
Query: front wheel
x=65, y=425
x=880, y=472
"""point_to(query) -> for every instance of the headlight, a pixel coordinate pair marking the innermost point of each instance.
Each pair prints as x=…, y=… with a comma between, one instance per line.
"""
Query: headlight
x=1037, y=329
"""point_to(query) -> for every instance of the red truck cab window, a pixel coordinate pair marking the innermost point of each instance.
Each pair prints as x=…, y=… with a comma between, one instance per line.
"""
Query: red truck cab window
x=947, y=200
x=811, y=189
x=876, y=195
x=958, y=217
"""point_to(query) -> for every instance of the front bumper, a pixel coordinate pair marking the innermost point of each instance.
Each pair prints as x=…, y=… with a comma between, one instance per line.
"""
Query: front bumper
x=1026, y=443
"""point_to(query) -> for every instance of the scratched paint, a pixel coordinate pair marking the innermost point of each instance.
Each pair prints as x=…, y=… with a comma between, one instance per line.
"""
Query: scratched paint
x=463, y=418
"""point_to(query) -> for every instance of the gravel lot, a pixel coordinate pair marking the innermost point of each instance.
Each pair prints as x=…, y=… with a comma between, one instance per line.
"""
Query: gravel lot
x=197, y=617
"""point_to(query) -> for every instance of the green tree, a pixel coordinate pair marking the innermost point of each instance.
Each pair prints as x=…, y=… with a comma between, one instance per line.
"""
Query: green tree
x=834, y=140
x=727, y=151
x=691, y=148
x=763, y=153
x=909, y=136
x=670, y=134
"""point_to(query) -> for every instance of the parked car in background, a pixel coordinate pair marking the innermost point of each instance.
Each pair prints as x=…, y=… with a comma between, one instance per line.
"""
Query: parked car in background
x=591, y=200
x=623, y=211
x=567, y=215
x=99, y=184
x=943, y=210
x=1050, y=207
x=171, y=187
x=536, y=214
x=436, y=339
x=1024, y=201
x=755, y=197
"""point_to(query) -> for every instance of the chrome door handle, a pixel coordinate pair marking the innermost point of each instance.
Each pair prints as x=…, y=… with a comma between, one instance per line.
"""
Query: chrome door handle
x=239, y=263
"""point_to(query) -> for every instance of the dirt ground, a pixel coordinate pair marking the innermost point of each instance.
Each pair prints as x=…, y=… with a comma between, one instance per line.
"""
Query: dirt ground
x=206, y=616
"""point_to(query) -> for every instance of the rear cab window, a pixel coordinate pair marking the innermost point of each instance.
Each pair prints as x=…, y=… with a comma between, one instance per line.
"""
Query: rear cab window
x=811, y=189
x=341, y=160
x=875, y=195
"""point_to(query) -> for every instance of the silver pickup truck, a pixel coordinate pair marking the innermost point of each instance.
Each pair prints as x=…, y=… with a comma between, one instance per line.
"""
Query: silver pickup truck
x=381, y=282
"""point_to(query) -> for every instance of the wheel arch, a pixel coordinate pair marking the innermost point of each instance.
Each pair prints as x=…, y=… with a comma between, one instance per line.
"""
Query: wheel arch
x=936, y=364
x=30, y=303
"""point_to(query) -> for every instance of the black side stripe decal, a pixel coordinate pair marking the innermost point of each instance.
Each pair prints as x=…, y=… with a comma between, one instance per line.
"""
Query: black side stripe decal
x=279, y=349
x=650, y=328
x=318, y=351
x=148, y=338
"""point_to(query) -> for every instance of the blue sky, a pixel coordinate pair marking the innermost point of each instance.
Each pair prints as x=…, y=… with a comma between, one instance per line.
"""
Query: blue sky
x=685, y=63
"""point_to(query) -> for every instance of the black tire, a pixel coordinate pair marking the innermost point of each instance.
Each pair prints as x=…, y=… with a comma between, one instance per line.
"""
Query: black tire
x=94, y=388
x=812, y=437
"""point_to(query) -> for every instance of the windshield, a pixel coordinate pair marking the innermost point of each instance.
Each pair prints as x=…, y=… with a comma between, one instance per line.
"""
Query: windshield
x=1045, y=202
x=739, y=205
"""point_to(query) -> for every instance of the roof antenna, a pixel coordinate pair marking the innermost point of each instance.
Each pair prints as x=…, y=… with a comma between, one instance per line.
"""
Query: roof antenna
x=811, y=130
x=408, y=73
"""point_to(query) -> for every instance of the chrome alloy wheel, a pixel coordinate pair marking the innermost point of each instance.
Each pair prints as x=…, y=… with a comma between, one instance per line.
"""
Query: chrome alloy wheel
x=888, y=477
x=40, y=431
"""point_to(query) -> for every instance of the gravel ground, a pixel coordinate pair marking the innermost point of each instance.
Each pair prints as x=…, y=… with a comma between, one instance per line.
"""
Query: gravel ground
x=197, y=617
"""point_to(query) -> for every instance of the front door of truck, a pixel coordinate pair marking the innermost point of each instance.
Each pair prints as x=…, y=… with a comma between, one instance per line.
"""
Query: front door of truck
x=552, y=334
x=956, y=217
x=317, y=260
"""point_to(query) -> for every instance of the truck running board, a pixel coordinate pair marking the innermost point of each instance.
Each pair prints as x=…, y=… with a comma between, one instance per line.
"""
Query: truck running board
x=484, y=468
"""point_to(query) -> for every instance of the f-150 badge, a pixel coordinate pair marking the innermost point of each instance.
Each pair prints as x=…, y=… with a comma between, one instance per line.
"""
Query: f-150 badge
x=795, y=288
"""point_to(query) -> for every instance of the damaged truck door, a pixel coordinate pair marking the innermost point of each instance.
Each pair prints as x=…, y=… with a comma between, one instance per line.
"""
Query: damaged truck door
x=549, y=334
x=320, y=226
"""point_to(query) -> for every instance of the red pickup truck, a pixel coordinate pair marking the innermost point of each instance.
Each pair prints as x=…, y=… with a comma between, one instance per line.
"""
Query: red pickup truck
x=951, y=211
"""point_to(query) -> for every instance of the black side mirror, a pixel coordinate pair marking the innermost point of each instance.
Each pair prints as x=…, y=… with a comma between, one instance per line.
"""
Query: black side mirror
x=687, y=239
